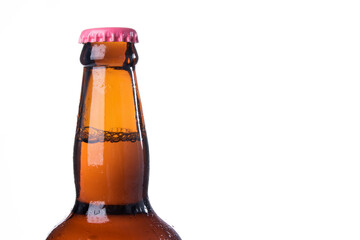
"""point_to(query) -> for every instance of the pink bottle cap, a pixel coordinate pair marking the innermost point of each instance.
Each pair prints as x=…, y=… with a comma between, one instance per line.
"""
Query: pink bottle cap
x=114, y=34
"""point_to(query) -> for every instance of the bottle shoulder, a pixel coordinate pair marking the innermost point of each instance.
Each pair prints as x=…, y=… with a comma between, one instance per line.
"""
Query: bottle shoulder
x=114, y=227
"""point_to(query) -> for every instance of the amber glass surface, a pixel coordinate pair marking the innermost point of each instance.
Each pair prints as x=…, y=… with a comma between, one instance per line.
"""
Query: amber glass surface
x=111, y=158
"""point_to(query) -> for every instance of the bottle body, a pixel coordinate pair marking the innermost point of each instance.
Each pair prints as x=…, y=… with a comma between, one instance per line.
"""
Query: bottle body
x=111, y=157
x=116, y=227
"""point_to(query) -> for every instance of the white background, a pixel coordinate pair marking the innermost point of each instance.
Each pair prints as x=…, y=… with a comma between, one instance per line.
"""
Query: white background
x=251, y=108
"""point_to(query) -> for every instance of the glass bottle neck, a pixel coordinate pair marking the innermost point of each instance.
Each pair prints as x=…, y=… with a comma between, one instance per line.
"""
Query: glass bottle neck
x=110, y=54
x=111, y=153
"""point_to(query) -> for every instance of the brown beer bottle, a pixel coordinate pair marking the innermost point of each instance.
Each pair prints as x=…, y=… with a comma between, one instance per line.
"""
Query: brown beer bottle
x=111, y=156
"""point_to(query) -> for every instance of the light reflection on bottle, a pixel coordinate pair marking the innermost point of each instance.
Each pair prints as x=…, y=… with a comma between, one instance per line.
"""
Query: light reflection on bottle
x=97, y=212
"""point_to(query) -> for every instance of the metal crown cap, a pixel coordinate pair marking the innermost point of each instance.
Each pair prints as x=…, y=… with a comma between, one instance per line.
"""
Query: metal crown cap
x=111, y=34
